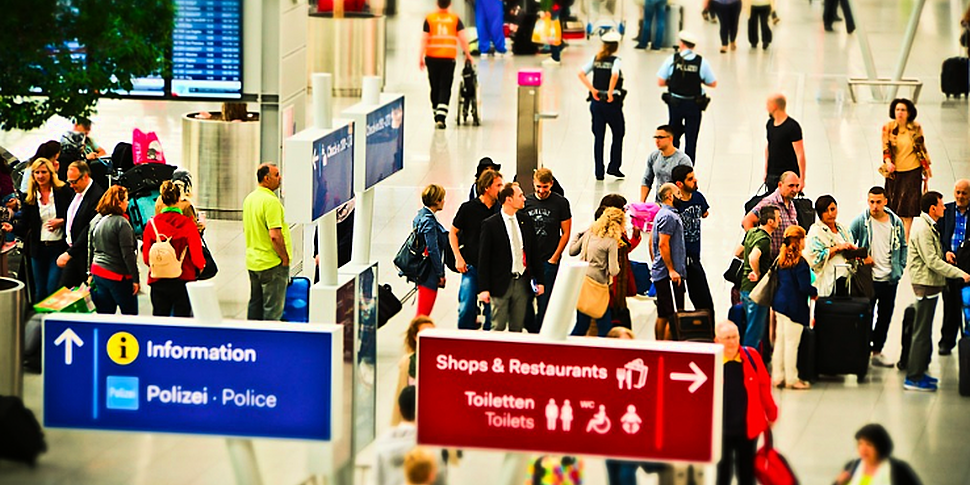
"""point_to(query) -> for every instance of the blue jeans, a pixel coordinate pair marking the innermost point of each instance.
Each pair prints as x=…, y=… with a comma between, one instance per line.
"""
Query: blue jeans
x=468, y=302
x=653, y=8
x=44, y=269
x=603, y=324
x=108, y=296
x=757, y=317
x=548, y=279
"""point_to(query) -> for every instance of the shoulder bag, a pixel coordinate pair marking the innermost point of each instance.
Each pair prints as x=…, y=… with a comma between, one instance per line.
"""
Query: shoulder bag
x=764, y=292
x=411, y=262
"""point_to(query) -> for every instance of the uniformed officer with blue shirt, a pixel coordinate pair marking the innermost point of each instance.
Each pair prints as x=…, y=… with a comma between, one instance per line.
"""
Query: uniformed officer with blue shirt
x=606, y=95
x=684, y=74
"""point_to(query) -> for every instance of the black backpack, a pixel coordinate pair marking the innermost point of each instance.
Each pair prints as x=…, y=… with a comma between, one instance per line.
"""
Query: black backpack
x=21, y=437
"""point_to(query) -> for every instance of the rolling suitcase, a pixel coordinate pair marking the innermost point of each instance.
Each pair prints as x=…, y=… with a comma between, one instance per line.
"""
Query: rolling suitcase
x=842, y=336
x=693, y=326
x=675, y=23
x=907, y=336
x=297, y=305
x=955, y=78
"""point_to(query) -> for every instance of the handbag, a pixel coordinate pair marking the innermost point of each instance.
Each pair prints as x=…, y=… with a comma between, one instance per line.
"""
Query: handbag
x=764, y=292
x=733, y=273
x=770, y=467
x=805, y=210
x=756, y=198
x=211, y=268
x=411, y=262
x=594, y=297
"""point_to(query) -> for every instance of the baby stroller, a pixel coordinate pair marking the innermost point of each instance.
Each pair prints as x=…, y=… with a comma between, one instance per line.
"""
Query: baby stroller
x=468, y=95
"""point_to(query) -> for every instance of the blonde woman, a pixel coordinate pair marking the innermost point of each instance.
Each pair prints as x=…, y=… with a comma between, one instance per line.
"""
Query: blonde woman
x=599, y=246
x=42, y=224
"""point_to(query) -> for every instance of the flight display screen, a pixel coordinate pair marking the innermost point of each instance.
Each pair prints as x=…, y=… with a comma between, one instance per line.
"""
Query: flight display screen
x=207, y=49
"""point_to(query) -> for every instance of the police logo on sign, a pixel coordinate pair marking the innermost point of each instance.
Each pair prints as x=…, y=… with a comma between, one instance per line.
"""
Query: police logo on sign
x=122, y=348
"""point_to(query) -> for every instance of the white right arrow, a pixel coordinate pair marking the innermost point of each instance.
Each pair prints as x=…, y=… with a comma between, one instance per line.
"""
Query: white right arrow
x=69, y=339
x=698, y=377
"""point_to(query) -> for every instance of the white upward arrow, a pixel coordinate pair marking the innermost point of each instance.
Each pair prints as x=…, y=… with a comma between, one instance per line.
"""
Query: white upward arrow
x=698, y=377
x=69, y=339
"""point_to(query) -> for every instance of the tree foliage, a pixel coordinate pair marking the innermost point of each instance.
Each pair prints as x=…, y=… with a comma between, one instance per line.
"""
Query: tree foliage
x=120, y=40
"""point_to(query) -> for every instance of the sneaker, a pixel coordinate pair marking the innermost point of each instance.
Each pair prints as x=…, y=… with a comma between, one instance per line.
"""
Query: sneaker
x=551, y=62
x=616, y=173
x=501, y=55
x=945, y=350
x=923, y=385
x=440, y=125
x=880, y=360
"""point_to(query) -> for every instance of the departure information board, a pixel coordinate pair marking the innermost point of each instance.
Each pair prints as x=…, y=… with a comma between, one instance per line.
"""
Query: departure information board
x=207, y=49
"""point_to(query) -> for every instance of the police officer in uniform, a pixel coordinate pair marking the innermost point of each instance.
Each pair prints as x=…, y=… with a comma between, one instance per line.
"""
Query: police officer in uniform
x=683, y=74
x=443, y=31
x=606, y=95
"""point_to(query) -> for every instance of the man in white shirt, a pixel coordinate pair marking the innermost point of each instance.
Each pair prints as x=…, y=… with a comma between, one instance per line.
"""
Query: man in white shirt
x=79, y=215
x=509, y=261
x=881, y=231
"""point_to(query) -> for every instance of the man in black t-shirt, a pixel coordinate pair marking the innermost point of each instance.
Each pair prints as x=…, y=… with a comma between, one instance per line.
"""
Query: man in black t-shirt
x=786, y=150
x=553, y=221
x=465, y=235
x=693, y=207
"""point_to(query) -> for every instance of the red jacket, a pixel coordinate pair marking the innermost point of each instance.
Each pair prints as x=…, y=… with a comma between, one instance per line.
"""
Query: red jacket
x=757, y=383
x=182, y=232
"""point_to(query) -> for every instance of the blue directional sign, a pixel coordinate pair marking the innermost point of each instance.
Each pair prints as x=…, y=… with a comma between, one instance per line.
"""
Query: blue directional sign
x=179, y=376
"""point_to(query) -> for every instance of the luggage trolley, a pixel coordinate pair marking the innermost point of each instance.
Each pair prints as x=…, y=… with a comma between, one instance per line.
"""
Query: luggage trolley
x=603, y=16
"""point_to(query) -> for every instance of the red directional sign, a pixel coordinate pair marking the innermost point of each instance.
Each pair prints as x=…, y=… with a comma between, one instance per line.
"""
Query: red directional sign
x=658, y=401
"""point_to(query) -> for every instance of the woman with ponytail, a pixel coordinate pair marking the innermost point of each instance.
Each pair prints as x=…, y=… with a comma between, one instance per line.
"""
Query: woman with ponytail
x=169, y=296
x=791, y=308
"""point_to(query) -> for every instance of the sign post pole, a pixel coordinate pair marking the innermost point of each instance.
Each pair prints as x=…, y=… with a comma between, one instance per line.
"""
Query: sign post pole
x=205, y=308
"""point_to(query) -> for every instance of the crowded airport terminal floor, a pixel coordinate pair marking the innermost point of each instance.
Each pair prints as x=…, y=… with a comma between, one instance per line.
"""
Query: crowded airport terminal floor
x=815, y=429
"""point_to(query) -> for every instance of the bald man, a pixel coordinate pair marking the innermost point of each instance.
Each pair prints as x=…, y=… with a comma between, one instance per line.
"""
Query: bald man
x=268, y=247
x=953, y=240
x=785, y=151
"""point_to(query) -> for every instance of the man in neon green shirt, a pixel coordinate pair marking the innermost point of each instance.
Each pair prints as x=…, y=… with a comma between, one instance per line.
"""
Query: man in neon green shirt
x=268, y=246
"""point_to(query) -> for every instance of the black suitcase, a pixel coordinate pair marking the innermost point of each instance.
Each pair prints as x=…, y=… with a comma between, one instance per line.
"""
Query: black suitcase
x=806, y=211
x=963, y=351
x=21, y=437
x=807, y=370
x=907, y=336
x=955, y=78
x=693, y=326
x=145, y=177
x=842, y=336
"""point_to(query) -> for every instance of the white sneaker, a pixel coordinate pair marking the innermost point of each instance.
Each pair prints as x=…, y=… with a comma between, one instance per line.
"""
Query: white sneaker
x=502, y=55
x=881, y=360
x=551, y=62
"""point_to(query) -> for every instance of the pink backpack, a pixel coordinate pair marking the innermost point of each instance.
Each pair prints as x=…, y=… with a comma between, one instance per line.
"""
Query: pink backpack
x=642, y=214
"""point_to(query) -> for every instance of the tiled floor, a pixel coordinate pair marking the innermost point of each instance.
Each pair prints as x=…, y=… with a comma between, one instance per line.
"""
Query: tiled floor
x=842, y=144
